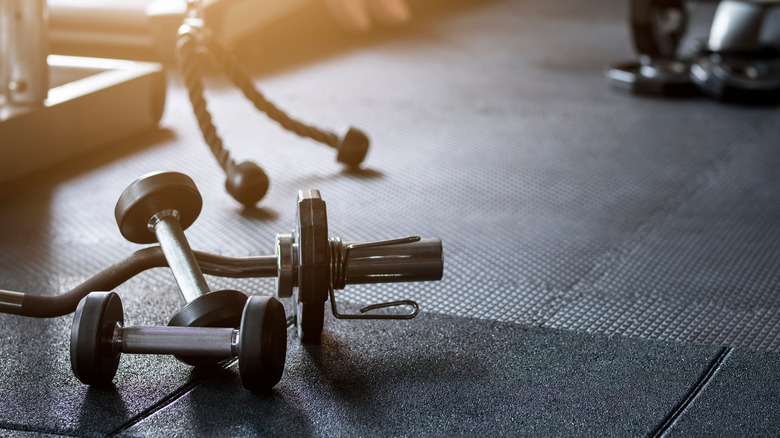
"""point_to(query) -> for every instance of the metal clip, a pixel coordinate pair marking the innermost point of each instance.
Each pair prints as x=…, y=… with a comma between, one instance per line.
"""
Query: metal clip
x=362, y=315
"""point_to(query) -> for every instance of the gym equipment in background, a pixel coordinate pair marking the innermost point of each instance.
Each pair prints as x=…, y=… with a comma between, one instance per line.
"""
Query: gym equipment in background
x=83, y=103
x=736, y=64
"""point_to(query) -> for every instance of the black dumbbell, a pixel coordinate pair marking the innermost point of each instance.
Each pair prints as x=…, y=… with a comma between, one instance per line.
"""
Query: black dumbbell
x=99, y=337
x=158, y=207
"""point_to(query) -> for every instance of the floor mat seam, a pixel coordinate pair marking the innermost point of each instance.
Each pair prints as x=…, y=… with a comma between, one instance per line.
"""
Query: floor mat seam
x=613, y=256
x=679, y=410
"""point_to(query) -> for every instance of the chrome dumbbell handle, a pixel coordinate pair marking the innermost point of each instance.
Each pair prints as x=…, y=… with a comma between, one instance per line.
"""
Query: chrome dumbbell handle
x=181, y=259
x=158, y=207
x=192, y=341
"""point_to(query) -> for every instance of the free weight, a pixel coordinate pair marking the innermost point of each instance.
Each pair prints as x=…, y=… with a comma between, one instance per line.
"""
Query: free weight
x=739, y=79
x=307, y=264
x=657, y=26
x=99, y=337
x=654, y=77
x=735, y=65
x=158, y=207
x=310, y=265
x=738, y=65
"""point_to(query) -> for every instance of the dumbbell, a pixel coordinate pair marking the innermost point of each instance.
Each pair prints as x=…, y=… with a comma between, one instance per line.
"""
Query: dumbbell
x=99, y=337
x=158, y=207
x=657, y=27
x=310, y=265
x=738, y=65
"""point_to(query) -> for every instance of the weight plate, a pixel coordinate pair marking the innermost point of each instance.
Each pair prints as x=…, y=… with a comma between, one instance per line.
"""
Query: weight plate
x=311, y=292
x=150, y=194
x=738, y=79
x=657, y=26
x=92, y=357
x=220, y=308
x=659, y=77
x=285, y=265
x=309, y=318
x=263, y=343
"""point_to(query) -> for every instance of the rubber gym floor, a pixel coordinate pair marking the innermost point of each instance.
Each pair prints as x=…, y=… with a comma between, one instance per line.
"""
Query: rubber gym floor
x=611, y=262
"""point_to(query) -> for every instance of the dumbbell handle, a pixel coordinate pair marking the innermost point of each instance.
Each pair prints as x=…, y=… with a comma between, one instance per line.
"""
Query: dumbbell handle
x=183, y=341
x=179, y=255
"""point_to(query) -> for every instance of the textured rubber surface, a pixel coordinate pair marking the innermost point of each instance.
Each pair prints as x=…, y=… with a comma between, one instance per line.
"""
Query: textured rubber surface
x=560, y=203
x=448, y=376
x=743, y=395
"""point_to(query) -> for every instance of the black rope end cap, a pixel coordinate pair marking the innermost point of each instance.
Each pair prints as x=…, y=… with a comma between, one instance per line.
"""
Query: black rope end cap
x=246, y=182
x=353, y=148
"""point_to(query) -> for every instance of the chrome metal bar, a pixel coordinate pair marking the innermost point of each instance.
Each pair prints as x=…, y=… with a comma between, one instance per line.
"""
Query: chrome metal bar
x=11, y=302
x=399, y=262
x=179, y=255
x=237, y=267
x=186, y=341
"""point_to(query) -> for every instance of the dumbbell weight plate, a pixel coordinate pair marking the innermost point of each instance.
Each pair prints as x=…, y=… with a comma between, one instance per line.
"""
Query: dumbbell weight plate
x=313, y=265
x=738, y=79
x=220, y=308
x=660, y=77
x=657, y=26
x=263, y=343
x=92, y=358
x=150, y=194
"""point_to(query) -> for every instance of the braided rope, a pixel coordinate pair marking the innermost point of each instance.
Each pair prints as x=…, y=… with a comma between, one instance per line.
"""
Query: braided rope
x=190, y=53
x=189, y=62
x=221, y=58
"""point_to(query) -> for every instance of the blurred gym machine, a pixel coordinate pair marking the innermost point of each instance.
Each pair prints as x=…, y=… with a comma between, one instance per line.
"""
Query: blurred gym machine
x=55, y=107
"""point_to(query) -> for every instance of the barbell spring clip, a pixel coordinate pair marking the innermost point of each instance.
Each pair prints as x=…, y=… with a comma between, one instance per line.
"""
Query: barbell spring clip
x=362, y=315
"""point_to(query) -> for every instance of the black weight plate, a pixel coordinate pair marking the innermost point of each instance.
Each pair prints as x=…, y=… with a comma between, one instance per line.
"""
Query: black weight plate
x=738, y=79
x=309, y=318
x=220, y=308
x=150, y=194
x=263, y=343
x=313, y=264
x=656, y=78
x=657, y=26
x=92, y=358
